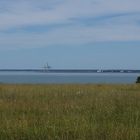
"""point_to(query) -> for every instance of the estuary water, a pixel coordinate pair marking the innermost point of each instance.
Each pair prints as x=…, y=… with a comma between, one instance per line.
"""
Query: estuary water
x=65, y=78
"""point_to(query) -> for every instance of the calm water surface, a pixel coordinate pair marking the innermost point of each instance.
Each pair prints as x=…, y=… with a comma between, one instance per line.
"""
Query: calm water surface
x=62, y=78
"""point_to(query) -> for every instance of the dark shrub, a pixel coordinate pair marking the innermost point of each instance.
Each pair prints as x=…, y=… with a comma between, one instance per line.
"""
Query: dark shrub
x=138, y=80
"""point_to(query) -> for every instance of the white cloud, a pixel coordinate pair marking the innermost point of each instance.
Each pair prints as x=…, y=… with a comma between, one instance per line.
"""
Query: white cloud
x=30, y=12
x=19, y=13
x=72, y=36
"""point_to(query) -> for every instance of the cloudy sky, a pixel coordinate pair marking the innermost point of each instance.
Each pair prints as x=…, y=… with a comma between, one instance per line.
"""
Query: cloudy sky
x=70, y=33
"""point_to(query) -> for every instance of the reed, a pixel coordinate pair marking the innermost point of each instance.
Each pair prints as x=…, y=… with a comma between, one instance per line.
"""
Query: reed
x=70, y=112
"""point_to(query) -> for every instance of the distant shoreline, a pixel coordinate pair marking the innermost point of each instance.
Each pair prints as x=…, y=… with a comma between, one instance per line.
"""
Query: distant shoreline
x=72, y=70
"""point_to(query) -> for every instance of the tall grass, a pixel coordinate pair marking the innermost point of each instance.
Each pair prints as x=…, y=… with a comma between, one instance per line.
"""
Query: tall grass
x=69, y=112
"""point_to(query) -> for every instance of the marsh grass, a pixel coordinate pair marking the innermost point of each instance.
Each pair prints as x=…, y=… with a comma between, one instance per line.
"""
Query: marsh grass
x=69, y=112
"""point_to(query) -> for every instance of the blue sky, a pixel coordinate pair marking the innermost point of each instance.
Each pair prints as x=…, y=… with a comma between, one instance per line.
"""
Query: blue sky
x=70, y=33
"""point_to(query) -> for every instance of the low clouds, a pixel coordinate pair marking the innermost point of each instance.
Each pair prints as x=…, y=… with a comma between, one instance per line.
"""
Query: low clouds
x=80, y=22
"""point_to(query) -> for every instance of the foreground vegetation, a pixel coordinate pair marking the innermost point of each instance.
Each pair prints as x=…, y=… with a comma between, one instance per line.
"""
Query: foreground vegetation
x=69, y=112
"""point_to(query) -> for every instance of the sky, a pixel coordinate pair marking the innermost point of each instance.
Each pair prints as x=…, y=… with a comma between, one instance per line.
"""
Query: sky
x=86, y=34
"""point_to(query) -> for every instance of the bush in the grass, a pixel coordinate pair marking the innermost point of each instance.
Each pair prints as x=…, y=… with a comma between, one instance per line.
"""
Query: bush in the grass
x=138, y=80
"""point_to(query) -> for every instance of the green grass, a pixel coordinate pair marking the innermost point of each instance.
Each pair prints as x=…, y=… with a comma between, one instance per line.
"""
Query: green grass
x=70, y=112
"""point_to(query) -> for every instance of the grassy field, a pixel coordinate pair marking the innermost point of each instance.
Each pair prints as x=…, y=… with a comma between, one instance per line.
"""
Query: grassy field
x=70, y=112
